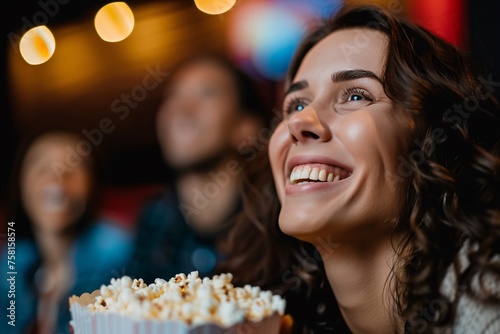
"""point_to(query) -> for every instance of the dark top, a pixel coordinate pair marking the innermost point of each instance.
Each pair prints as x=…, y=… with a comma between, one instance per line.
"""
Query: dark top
x=166, y=244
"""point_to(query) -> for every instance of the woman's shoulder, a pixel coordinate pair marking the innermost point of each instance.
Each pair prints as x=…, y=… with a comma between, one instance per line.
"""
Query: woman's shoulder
x=105, y=230
x=101, y=252
x=473, y=316
x=22, y=252
x=104, y=239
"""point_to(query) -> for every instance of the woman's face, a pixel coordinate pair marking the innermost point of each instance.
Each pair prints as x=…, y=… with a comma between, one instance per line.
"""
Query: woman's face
x=335, y=155
x=53, y=204
x=197, y=118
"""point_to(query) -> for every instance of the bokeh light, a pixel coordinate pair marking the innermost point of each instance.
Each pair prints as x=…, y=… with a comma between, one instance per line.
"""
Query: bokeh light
x=37, y=45
x=214, y=7
x=314, y=8
x=114, y=22
x=280, y=32
x=264, y=34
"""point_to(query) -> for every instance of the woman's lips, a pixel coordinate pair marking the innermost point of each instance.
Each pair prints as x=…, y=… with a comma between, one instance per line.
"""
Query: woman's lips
x=313, y=186
x=55, y=198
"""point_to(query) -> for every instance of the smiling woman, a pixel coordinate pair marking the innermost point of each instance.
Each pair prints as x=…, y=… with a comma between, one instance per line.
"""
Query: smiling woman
x=368, y=158
x=62, y=246
x=346, y=129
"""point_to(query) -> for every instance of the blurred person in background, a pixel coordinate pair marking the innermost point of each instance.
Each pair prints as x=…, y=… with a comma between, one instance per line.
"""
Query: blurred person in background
x=207, y=127
x=61, y=248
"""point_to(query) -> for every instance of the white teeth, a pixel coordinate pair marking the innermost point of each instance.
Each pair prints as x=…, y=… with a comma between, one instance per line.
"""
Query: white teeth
x=314, y=174
x=305, y=173
x=296, y=173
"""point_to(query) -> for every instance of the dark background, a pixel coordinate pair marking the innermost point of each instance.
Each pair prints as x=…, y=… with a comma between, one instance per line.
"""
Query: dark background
x=131, y=151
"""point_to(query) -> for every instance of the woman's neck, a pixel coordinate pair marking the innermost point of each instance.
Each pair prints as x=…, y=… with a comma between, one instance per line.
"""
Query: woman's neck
x=360, y=279
x=207, y=198
x=54, y=248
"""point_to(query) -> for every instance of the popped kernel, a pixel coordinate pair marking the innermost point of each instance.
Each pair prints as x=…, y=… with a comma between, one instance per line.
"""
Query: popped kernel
x=188, y=298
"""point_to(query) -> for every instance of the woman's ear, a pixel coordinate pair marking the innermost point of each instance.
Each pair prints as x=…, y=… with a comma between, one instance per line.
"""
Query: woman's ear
x=246, y=130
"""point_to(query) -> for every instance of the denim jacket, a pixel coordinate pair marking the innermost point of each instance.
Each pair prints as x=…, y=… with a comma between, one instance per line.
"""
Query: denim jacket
x=100, y=253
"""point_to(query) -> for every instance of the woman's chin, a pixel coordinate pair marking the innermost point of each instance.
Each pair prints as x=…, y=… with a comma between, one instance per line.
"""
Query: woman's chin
x=302, y=230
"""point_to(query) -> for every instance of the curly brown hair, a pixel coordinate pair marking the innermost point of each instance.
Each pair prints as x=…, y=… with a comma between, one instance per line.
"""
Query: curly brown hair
x=451, y=171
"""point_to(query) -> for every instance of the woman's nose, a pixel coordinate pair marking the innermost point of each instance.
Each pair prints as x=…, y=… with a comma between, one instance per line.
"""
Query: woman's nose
x=306, y=126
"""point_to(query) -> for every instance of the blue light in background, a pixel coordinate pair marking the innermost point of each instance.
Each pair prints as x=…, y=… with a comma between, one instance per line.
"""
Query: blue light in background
x=268, y=32
x=278, y=32
x=318, y=8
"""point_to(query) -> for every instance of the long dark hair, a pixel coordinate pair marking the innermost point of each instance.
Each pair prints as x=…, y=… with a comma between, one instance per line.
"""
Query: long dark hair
x=451, y=171
x=16, y=211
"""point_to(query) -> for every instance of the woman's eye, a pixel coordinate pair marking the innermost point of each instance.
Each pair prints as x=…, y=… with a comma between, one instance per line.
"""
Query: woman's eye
x=355, y=97
x=299, y=107
x=296, y=105
x=353, y=94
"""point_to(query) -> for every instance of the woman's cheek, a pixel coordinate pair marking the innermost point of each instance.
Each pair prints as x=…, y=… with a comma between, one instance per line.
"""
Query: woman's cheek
x=278, y=149
x=357, y=132
x=278, y=143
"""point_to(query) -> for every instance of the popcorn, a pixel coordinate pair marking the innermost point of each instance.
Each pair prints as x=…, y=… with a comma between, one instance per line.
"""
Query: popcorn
x=189, y=299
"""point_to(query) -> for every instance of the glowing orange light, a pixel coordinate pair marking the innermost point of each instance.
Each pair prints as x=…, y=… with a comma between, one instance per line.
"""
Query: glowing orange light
x=37, y=45
x=214, y=7
x=114, y=22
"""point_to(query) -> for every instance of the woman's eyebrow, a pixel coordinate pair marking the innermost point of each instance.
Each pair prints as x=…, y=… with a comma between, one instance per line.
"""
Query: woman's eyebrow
x=354, y=74
x=297, y=86
x=339, y=76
